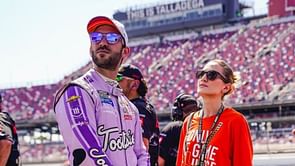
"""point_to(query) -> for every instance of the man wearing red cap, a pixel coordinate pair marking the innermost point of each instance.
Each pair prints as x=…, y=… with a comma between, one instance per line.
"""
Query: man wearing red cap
x=99, y=125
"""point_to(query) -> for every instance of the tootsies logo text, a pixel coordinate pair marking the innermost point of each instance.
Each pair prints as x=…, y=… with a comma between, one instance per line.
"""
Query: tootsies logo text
x=123, y=141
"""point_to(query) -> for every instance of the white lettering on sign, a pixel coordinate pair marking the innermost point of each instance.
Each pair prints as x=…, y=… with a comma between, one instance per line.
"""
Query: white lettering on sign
x=165, y=9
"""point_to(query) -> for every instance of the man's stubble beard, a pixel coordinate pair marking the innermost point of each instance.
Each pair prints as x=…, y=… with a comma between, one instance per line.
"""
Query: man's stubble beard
x=110, y=63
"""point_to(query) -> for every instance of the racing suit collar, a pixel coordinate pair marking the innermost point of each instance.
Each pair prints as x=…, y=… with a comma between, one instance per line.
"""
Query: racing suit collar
x=105, y=84
x=108, y=80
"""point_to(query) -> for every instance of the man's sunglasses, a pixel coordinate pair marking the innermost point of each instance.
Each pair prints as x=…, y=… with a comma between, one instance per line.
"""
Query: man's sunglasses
x=211, y=75
x=111, y=38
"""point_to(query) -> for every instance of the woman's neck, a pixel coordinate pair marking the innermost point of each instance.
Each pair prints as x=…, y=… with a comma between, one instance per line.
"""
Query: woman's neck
x=211, y=106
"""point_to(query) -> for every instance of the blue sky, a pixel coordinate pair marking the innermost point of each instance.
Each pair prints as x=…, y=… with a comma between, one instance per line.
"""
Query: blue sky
x=43, y=40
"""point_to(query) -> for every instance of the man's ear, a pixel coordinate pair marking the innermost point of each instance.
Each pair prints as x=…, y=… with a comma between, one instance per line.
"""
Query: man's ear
x=125, y=53
x=90, y=51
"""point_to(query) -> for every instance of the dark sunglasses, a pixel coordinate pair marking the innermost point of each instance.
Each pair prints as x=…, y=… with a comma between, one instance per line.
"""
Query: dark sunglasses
x=211, y=75
x=111, y=38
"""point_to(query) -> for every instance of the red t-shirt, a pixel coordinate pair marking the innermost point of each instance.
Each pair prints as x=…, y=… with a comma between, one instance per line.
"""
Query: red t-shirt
x=230, y=146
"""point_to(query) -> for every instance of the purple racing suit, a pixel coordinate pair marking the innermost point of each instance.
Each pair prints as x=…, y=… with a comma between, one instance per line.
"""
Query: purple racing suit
x=99, y=125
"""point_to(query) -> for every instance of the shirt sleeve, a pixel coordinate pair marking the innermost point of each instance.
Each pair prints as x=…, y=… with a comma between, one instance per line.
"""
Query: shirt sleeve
x=143, y=157
x=75, y=115
x=242, y=153
x=164, y=141
x=5, y=130
x=146, y=121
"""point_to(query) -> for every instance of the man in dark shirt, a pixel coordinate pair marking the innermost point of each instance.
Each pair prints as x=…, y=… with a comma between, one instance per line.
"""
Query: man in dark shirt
x=9, y=152
x=169, y=137
x=134, y=87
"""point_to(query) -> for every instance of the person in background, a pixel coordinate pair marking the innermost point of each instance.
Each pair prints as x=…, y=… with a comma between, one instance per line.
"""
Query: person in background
x=217, y=134
x=9, y=152
x=134, y=87
x=169, y=138
x=99, y=125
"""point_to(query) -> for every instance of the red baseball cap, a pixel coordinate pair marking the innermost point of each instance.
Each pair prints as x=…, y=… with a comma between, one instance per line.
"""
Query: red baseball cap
x=103, y=20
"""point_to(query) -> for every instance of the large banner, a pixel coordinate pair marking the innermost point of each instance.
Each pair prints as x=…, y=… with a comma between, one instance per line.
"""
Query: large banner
x=165, y=9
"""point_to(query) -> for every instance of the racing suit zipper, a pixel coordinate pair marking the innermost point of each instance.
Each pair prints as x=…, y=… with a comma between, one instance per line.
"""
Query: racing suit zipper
x=121, y=123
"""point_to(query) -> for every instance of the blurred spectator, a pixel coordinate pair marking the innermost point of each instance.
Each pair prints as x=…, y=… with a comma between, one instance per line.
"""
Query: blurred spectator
x=134, y=87
x=9, y=153
x=169, y=138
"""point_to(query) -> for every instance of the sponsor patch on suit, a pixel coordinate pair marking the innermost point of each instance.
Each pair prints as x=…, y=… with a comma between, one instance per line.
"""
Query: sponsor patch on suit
x=107, y=101
x=127, y=117
x=76, y=112
x=73, y=98
x=105, y=98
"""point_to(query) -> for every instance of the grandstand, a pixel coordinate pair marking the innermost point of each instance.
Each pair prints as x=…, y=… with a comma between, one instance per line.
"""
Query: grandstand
x=261, y=48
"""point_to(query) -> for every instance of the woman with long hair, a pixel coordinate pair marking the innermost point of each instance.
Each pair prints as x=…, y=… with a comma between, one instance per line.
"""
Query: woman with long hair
x=217, y=135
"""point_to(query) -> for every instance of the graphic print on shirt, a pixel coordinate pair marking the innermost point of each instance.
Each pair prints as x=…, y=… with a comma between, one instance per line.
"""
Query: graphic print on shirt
x=193, y=142
x=123, y=141
x=2, y=134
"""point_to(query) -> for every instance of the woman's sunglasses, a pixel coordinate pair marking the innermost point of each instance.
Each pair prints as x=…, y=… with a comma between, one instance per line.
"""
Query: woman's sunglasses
x=111, y=38
x=211, y=75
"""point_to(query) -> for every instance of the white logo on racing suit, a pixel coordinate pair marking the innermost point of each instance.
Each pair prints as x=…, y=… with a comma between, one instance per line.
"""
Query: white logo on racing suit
x=76, y=112
x=123, y=141
x=100, y=157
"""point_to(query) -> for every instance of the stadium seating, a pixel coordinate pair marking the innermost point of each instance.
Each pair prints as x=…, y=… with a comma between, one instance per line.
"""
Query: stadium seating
x=169, y=68
x=30, y=103
x=263, y=54
x=37, y=153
